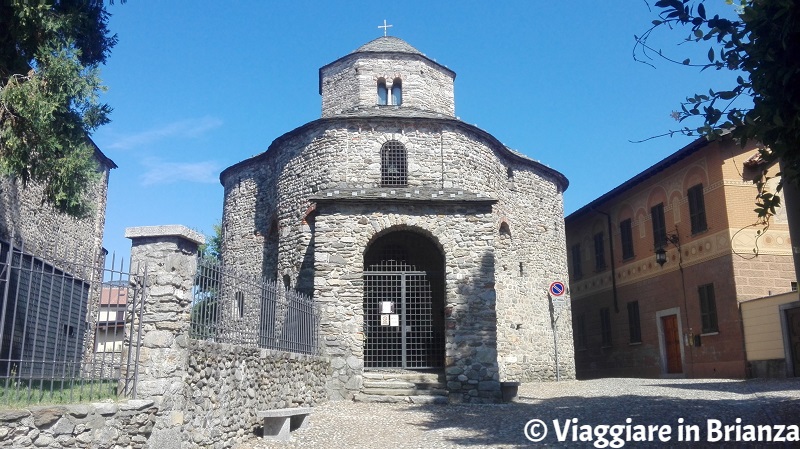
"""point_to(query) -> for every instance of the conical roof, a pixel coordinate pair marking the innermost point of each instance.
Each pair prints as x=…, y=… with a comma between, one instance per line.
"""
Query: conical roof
x=388, y=44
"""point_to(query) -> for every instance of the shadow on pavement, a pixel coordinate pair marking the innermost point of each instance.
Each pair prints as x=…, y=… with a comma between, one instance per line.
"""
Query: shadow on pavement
x=503, y=425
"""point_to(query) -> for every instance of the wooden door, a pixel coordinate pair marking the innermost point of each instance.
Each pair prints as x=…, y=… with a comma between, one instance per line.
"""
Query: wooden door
x=672, y=344
x=793, y=320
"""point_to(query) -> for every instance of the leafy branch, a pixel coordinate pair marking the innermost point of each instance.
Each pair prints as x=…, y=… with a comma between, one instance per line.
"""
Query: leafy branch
x=764, y=45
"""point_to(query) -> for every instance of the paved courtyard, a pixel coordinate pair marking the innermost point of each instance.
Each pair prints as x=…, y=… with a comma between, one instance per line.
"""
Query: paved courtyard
x=647, y=402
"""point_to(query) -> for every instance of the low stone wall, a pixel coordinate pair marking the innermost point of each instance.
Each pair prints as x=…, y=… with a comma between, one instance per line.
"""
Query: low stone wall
x=97, y=425
x=228, y=384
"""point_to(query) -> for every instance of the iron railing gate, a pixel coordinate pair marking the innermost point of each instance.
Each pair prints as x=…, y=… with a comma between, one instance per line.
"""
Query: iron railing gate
x=405, y=337
x=64, y=321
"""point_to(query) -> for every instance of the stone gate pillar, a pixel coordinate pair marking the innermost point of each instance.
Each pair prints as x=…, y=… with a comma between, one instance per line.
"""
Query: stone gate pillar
x=167, y=256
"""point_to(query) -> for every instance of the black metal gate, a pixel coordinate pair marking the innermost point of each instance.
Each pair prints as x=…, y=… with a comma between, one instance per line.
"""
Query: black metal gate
x=400, y=325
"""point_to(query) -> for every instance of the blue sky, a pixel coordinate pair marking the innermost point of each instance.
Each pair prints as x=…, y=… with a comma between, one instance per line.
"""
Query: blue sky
x=197, y=86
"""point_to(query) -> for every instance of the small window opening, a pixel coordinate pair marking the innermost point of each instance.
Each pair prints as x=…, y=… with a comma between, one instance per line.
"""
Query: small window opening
x=505, y=230
x=397, y=92
x=383, y=93
x=287, y=282
x=394, y=164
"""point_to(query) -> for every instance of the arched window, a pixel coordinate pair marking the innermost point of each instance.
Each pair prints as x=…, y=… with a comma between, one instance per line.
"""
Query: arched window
x=382, y=92
x=397, y=92
x=394, y=165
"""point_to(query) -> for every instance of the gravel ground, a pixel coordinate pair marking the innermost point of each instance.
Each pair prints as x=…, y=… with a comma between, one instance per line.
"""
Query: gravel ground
x=604, y=401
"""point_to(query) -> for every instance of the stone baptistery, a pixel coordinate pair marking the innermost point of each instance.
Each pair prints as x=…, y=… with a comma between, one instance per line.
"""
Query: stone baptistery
x=427, y=244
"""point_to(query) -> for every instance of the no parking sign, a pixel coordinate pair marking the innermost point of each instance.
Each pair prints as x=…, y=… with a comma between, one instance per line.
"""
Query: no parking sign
x=557, y=288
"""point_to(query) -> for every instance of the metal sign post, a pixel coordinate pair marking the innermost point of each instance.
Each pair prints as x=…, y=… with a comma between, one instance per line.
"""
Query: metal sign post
x=557, y=288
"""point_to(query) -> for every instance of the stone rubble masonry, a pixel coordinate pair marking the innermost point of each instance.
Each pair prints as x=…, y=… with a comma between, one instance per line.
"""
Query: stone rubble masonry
x=352, y=82
x=165, y=260
x=207, y=394
x=42, y=230
x=229, y=384
x=97, y=425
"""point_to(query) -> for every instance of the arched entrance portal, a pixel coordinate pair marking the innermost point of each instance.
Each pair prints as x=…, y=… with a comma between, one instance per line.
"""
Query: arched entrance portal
x=403, y=302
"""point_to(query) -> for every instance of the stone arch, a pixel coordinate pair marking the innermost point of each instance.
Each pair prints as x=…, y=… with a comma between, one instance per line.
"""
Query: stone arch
x=384, y=230
x=404, y=299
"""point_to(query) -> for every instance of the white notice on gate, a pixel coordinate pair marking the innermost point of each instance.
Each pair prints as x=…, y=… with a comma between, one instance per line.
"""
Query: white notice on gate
x=384, y=320
x=395, y=320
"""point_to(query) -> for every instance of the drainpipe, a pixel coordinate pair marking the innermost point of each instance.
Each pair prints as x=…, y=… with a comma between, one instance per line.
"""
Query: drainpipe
x=613, y=266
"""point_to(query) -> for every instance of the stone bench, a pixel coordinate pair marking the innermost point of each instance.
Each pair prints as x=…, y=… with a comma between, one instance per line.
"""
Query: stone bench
x=509, y=390
x=280, y=422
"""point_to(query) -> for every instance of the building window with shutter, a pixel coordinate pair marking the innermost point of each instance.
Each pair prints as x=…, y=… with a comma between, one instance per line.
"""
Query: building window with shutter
x=708, y=308
x=659, y=226
x=626, y=236
x=577, y=269
x=697, y=209
x=599, y=252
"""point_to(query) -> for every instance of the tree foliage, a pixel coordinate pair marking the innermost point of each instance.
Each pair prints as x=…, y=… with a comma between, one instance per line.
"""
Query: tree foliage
x=763, y=44
x=213, y=246
x=50, y=52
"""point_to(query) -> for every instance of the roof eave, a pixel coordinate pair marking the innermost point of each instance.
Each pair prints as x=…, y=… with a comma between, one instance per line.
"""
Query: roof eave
x=656, y=168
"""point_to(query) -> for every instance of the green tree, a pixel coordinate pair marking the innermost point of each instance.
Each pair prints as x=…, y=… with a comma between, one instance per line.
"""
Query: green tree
x=50, y=53
x=763, y=44
x=213, y=246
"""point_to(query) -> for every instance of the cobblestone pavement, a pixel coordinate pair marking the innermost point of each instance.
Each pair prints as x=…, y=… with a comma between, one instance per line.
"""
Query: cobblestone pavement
x=606, y=401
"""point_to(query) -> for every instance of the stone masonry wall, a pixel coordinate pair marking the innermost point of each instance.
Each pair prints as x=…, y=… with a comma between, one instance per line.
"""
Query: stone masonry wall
x=229, y=384
x=98, y=425
x=464, y=233
x=531, y=254
x=353, y=82
x=527, y=257
x=42, y=230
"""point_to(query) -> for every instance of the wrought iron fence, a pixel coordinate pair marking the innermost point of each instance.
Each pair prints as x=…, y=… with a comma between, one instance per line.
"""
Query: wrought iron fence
x=235, y=308
x=62, y=325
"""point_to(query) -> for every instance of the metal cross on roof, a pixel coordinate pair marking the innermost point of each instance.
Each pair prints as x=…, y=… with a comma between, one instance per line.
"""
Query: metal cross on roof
x=384, y=26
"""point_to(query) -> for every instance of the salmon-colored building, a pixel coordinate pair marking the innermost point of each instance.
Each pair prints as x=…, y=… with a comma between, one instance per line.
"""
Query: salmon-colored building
x=636, y=317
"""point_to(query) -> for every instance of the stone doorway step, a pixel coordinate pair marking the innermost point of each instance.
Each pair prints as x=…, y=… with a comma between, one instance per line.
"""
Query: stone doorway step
x=418, y=387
